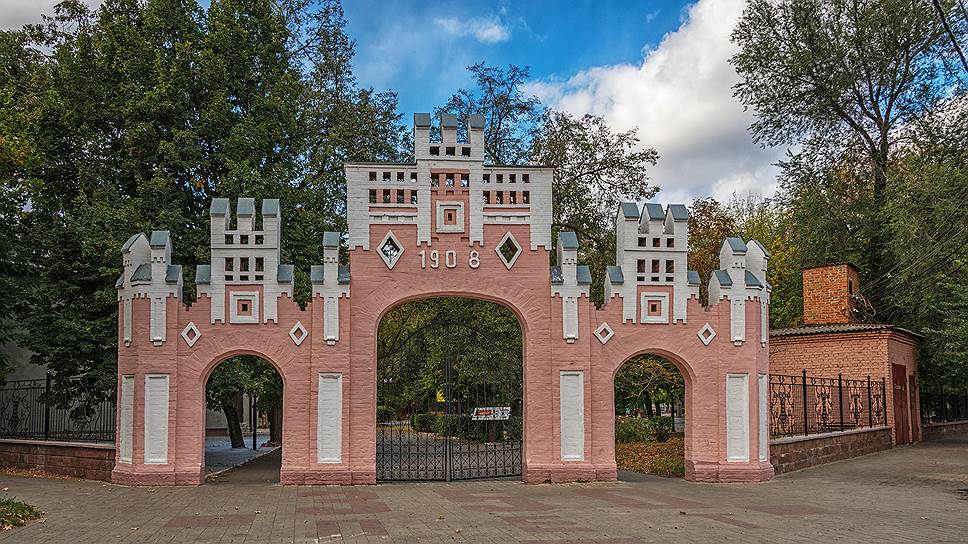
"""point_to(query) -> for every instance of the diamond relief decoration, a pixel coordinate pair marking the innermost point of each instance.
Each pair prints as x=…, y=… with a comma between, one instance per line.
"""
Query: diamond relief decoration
x=298, y=333
x=390, y=250
x=508, y=250
x=604, y=333
x=190, y=334
x=706, y=334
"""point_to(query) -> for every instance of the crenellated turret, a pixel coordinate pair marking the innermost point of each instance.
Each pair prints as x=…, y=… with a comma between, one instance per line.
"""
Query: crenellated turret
x=246, y=274
x=741, y=277
x=570, y=281
x=331, y=282
x=148, y=273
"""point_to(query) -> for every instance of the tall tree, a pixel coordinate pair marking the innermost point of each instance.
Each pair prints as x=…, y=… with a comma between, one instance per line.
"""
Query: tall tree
x=843, y=73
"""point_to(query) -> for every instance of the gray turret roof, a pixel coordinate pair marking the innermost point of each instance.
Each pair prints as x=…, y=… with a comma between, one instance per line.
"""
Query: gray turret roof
x=630, y=210
x=317, y=273
x=120, y=282
x=245, y=206
x=761, y=246
x=692, y=277
x=220, y=206
x=583, y=275
x=476, y=121
x=448, y=120
x=723, y=278
x=270, y=207
x=736, y=244
x=331, y=239
x=159, y=238
x=343, y=275
x=421, y=119
x=173, y=274
x=142, y=273
x=654, y=211
x=752, y=280
x=679, y=212
x=615, y=275
x=203, y=274
x=127, y=245
x=284, y=273
x=557, y=278
x=568, y=240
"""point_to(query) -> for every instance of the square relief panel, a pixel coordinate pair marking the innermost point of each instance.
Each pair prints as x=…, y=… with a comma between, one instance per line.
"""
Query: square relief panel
x=450, y=217
x=654, y=308
x=244, y=307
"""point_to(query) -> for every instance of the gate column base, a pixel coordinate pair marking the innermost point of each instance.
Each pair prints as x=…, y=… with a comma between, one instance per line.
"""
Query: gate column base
x=327, y=477
x=729, y=472
x=561, y=473
x=156, y=478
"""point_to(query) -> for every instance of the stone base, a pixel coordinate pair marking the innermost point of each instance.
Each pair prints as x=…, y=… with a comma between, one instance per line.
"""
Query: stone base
x=185, y=478
x=341, y=476
x=729, y=472
x=568, y=472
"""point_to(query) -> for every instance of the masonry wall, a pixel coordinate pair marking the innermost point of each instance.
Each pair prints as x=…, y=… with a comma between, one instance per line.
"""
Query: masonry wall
x=938, y=431
x=800, y=452
x=827, y=294
x=80, y=460
x=855, y=355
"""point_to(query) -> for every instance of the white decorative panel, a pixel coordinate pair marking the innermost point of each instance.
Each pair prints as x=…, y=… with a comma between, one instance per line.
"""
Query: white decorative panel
x=570, y=318
x=737, y=417
x=298, y=333
x=331, y=320
x=329, y=418
x=158, y=320
x=126, y=432
x=763, y=388
x=126, y=317
x=706, y=334
x=244, y=307
x=737, y=319
x=190, y=334
x=572, y=409
x=646, y=315
x=156, y=418
x=604, y=333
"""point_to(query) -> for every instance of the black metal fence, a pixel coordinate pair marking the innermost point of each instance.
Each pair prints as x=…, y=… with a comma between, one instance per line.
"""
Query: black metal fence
x=804, y=405
x=57, y=409
x=944, y=405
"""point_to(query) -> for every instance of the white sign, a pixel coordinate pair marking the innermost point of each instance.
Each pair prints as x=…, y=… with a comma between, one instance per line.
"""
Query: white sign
x=491, y=413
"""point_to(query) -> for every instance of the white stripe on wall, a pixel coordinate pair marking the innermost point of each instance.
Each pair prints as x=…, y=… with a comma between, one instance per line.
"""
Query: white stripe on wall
x=329, y=418
x=737, y=417
x=572, y=408
x=156, y=419
x=764, y=409
x=126, y=433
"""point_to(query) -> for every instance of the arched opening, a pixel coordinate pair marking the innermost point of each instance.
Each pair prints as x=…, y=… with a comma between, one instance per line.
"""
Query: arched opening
x=650, y=417
x=243, y=417
x=449, y=391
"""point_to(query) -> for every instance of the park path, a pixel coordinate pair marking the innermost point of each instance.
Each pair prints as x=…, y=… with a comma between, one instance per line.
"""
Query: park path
x=916, y=493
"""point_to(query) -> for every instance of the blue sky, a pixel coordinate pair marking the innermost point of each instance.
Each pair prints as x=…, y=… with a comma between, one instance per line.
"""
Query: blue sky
x=661, y=68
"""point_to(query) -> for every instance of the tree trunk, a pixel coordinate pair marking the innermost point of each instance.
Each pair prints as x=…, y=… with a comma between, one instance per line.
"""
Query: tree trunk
x=275, y=423
x=647, y=404
x=234, y=424
x=877, y=249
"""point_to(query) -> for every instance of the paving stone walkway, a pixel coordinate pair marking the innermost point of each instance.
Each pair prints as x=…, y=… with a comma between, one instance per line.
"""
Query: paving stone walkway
x=911, y=494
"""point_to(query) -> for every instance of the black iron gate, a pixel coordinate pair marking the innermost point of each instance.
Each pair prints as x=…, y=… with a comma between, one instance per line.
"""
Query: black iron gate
x=449, y=403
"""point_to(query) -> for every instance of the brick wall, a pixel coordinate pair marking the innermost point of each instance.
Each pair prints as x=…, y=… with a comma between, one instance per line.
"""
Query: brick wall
x=827, y=294
x=800, y=452
x=81, y=460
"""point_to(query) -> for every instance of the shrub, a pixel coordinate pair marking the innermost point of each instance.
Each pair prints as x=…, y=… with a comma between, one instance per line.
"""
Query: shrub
x=662, y=428
x=632, y=429
x=385, y=413
x=423, y=423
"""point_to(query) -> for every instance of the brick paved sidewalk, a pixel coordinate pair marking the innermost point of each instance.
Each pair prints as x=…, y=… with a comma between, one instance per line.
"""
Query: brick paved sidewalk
x=908, y=494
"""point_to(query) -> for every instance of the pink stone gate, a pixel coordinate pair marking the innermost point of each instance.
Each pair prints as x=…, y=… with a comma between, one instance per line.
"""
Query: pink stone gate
x=445, y=225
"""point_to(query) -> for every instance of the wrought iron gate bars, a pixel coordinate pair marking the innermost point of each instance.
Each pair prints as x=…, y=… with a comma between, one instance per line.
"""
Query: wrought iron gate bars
x=804, y=405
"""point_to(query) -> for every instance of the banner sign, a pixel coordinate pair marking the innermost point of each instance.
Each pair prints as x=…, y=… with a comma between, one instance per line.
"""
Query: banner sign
x=491, y=413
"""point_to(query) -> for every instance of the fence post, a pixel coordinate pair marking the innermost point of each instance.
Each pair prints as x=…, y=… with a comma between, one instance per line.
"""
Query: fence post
x=884, y=398
x=806, y=427
x=840, y=399
x=47, y=407
x=870, y=408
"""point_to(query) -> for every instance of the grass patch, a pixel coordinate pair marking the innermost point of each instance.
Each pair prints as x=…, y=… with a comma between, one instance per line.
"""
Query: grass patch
x=659, y=458
x=15, y=513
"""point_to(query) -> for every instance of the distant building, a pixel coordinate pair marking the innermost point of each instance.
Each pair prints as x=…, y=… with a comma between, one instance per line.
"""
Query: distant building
x=833, y=341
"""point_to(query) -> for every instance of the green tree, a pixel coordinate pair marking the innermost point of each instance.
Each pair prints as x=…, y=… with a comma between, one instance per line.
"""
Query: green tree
x=241, y=376
x=844, y=76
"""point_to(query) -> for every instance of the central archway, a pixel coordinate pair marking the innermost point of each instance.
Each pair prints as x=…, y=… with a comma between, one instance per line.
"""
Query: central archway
x=449, y=391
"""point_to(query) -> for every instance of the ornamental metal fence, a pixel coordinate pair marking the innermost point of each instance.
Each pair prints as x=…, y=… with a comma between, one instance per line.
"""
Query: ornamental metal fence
x=944, y=405
x=805, y=405
x=69, y=409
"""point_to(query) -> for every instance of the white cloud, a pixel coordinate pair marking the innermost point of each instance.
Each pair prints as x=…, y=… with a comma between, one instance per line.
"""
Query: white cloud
x=16, y=13
x=487, y=30
x=680, y=98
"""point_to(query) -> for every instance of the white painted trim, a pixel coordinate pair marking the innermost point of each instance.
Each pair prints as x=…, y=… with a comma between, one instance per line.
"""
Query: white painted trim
x=442, y=207
x=644, y=316
x=737, y=418
x=763, y=387
x=156, y=419
x=126, y=420
x=234, y=316
x=571, y=408
x=329, y=418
